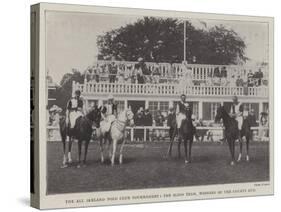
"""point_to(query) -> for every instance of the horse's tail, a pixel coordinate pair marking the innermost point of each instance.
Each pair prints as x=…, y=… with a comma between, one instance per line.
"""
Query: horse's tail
x=63, y=127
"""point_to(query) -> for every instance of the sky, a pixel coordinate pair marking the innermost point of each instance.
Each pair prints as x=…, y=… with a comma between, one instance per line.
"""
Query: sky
x=71, y=38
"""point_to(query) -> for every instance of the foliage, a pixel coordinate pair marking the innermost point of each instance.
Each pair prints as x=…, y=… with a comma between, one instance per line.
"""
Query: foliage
x=161, y=40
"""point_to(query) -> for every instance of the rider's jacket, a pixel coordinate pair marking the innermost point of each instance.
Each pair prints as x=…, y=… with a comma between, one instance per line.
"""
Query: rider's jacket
x=237, y=110
x=74, y=104
x=182, y=107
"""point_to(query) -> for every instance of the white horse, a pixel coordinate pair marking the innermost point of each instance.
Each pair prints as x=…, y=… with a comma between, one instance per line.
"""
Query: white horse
x=115, y=134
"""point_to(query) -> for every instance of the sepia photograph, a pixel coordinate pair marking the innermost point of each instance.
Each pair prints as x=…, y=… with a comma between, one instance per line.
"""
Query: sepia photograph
x=139, y=102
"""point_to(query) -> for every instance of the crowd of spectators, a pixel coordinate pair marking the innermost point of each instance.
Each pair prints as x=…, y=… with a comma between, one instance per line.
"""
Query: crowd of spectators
x=140, y=73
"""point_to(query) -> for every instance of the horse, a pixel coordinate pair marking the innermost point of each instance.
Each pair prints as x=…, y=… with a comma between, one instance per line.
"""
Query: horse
x=232, y=133
x=82, y=131
x=231, y=130
x=115, y=134
x=185, y=132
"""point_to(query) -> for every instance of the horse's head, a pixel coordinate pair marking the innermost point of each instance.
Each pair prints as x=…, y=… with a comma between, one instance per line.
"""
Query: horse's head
x=95, y=115
x=130, y=117
x=219, y=114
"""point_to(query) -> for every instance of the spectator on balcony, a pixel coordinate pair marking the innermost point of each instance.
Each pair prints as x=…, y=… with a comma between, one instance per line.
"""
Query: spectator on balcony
x=156, y=74
x=139, y=74
x=112, y=68
x=216, y=80
x=143, y=67
x=89, y=75
x=217, y=72
x=232, y=81
x=121, y=74
x=250, y=78
x=223, y=72
x=127, y=73
x=104, y=73
x=239, y=82
x=147, y=121
x=258, y=75
x=159, y=122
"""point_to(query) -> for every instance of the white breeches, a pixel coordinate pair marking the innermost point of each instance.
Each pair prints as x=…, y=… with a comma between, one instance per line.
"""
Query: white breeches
x=73, y=115
x=179, y=119
x=239, y=119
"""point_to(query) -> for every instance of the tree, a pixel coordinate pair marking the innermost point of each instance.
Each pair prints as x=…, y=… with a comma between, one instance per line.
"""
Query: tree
x=161, y=40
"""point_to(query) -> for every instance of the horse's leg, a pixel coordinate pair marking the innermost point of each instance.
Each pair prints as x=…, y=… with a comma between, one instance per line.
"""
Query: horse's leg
x=79, y=153
x=108, y=140
x=241, y=148
x=169, y=153
x=101, y=150
x=189, y=150
x=233, y=151
x=230, y=145
x=64, y=162
x=114, y=146
x=247, y=147
x=86, y=151
x=121, y=152
x=179, y=146
x=185, y=150
x=70, y=139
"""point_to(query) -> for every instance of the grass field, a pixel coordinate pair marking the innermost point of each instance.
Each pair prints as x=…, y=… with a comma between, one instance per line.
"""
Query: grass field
x=146, y=167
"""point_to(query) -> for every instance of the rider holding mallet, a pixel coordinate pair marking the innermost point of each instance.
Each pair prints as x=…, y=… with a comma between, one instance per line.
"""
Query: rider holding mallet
x=183, y=111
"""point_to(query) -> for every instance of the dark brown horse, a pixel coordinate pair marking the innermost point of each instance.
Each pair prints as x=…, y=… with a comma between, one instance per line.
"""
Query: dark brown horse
x=82, y=131
x=186, y=133
x=231, y=130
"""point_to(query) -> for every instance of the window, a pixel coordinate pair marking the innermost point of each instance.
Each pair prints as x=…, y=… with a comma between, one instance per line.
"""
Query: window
x=209, y=110
x=252, y=106
x=265, y=107
x=164, y=107
x=154, y=106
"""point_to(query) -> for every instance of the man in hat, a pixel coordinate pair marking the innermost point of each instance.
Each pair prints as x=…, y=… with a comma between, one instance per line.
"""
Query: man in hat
x=109, y=113
x=74, y=109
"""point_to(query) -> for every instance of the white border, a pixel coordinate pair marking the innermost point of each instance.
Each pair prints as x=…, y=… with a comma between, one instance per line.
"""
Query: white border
x=58, y=201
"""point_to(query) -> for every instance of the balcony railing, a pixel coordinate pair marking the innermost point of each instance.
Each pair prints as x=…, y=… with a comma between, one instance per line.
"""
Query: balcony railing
x=199, y=71
x=168, y=90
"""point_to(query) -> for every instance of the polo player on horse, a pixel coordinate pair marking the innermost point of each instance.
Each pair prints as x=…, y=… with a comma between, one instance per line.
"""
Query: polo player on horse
x=238, y=112
x=74, y=109
x=109, y=114
x=183, y=111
